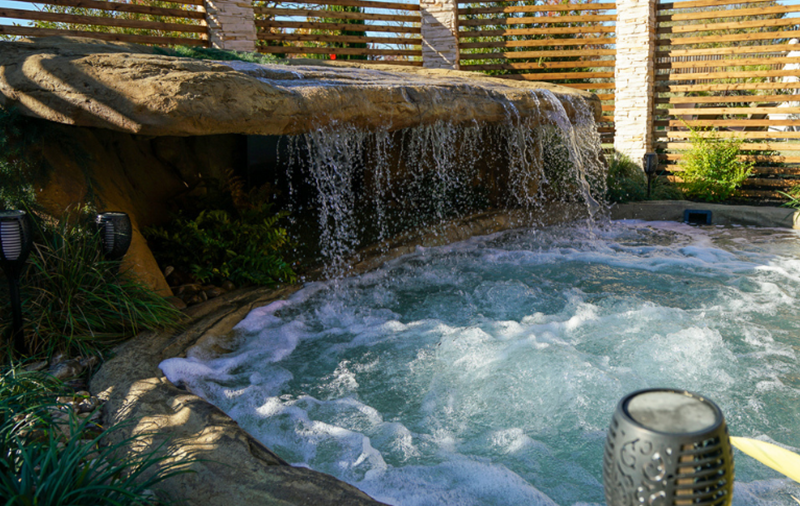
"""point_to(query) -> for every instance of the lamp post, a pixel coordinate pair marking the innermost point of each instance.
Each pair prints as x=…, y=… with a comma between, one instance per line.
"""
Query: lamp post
x=667, y=447
x=115, y=234
x=16, y=241
x=650, y=164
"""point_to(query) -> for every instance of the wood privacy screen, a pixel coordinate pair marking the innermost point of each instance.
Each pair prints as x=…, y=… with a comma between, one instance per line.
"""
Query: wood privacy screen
x=571, y=44
x=160, y=22
x=345, y=29
x=731, y=67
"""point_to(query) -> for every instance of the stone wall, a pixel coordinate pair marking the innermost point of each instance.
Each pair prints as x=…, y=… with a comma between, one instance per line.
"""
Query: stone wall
x=439, y=34
x=231, y=24
x=635, y=78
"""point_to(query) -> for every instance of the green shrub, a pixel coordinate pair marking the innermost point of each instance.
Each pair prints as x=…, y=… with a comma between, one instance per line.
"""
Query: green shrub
x=626, y=181
x=76, y=301
x=243, y=246
x=49, y=457
x=205, y=53
x=712, y=168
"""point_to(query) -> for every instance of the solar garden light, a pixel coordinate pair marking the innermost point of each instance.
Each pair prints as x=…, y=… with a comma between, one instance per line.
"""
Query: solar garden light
x=115, y=234
x=650, y=164
x=16, y=241
x=667, y=447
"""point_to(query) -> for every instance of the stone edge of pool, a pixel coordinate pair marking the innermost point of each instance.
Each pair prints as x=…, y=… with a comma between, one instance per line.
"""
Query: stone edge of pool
x=230, y=466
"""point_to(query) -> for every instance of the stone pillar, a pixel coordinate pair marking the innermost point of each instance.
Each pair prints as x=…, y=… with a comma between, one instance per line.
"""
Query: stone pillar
x=231, y=24
x=634, y=101
x=439, y=34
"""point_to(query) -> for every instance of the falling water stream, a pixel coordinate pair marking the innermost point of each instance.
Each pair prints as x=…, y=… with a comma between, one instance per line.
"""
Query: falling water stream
x=486, y=372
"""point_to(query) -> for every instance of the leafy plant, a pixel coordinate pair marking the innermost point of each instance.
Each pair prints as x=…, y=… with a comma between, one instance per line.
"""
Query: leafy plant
x=243, y=246
x=75, y=300
x=794, y=197
x=626, y=181
x=205, y=53
x=713, y=170
x=60, y=460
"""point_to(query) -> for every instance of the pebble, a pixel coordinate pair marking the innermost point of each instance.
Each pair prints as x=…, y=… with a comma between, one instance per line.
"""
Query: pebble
x=228, y=286
x=214, y=292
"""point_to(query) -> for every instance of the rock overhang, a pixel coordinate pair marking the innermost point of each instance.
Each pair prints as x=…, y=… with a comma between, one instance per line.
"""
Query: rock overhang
x=128, y=88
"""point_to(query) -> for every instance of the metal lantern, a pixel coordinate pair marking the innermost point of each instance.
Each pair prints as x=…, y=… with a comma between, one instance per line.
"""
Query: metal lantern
x=16, y=241
x=669, y=448
x=115, y=234
x=650, y=164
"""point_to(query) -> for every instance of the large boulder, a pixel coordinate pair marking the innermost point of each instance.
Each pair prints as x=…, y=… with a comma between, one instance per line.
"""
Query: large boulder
x=126, y=87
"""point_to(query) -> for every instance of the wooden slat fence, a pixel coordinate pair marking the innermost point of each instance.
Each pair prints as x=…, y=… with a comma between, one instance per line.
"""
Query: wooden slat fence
x=729, y=68
x=377, y=31
x=158, y=22
x=571, y=44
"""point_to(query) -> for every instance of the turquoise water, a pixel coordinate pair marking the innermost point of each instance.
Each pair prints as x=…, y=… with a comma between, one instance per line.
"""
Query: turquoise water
x=486, y=372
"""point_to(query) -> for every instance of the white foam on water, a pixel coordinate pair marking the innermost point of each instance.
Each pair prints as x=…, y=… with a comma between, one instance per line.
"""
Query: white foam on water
x=486, y=372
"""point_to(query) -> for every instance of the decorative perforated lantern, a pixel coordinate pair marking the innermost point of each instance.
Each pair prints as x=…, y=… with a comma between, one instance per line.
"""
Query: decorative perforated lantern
x=115, y=234
x=670, y=448
x=16, y=241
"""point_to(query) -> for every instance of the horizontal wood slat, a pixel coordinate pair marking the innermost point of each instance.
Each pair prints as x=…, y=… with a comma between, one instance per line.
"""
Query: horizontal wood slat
x=728, y=123
x=736, y=25
x=296, y=37
x=537, y=54
x=537, y=20
x=739, y=62
x=716, y=111
x=360, y=3
x=674, y=134
x=337, y=26
x=717, y=39
x=536, y=8
x=755, y=146
x=100, y=21
x=587, y=42
x=736, y=99
x=538, y=31
x=693, y=4
x=124, y=7
x=27, y=31
x=727, y=13
x=674, y=88
x=542, y=65
x=338, y=50
x=731, y=50
x=307, y=13
x=692, y=76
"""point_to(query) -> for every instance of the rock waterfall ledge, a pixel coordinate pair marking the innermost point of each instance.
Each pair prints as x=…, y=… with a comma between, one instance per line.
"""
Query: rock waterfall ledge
x=128, y=88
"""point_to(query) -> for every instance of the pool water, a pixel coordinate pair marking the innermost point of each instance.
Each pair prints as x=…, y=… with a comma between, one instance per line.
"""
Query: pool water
x=486, y=372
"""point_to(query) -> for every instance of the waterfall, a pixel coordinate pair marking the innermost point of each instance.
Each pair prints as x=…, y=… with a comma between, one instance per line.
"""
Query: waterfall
x=431, y=172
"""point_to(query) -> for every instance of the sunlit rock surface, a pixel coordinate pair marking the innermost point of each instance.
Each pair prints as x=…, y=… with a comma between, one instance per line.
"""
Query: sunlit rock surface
x=128, y=88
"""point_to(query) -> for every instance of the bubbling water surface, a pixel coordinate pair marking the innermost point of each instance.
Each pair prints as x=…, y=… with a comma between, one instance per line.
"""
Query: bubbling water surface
x=486, y=372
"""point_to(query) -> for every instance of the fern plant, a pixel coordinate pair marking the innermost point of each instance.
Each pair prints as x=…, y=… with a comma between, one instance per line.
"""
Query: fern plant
x=244, y=247
x=712, y=169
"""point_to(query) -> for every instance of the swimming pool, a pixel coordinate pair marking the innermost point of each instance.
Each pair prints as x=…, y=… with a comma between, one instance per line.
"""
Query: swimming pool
x=486, y=372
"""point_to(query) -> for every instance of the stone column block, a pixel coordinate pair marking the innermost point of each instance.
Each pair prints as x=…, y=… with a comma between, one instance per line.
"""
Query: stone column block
x=439, y=20
x=231, y=24
x=634, y=76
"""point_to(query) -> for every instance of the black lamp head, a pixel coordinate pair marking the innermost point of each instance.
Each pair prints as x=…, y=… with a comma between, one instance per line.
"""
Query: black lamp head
x=650, y=163
x=16, y=238
x=669, y=447
x=115, y=234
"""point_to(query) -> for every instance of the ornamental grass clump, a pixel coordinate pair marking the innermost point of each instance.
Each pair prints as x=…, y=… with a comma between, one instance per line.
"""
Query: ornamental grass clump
x=74, y=300
x=50, y=457
x=712, y=168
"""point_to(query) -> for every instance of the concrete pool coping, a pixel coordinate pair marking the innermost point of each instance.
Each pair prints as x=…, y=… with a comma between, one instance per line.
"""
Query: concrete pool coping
x=231, y=467
x=722, y=214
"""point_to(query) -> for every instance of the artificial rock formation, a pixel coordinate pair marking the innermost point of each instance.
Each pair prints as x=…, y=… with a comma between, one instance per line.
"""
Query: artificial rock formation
x=132, y=106
x=127, y=88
